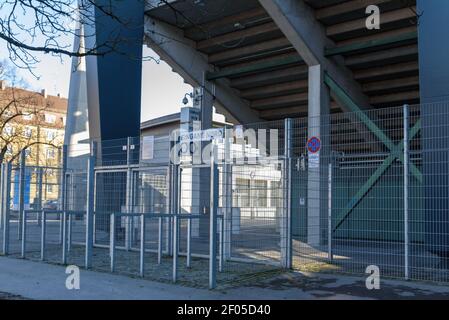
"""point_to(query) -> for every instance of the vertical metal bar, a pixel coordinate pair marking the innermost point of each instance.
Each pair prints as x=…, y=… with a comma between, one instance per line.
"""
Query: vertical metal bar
x=221, y=224
x=175, y=247
x=40, y=177
x=63, y=188
x=142, y=245
x=286, y=219
x=64, y=237
x=176, y=224
x=213, y=220
x=43, y=234
x=24, y=234
x=329, y=213
x=189, y=244
x=112, y=242
x=90, y=206
x=160, y=240
x=69, y=232
x=21, y=191
x=227, y=189
x=406, y=192
x=6, y=213
x=172, y=207
x=2, y=189
x=128, y=196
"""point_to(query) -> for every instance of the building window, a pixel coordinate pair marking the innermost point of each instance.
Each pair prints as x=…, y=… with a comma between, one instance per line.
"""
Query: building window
x=50, y=153
x=259, y=194
x=9, y=130
x=51, y=135
x=49, y=188
x=50, y=118
x=276, y=194
x=27, y=116
x=28, y=132
x=241, y=195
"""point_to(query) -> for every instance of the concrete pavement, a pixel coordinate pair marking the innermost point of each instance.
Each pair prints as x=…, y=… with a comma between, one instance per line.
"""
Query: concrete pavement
x=36, y=280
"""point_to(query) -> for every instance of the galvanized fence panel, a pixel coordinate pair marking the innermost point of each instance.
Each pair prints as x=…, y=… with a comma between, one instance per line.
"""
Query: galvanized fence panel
x=366, y=189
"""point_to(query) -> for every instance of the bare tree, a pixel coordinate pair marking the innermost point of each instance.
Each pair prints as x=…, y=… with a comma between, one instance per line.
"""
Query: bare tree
x=48, y=26
x=22, y=121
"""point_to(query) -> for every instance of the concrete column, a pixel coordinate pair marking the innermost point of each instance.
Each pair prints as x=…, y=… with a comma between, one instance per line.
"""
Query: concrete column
x=434, y=93
x=319, y=102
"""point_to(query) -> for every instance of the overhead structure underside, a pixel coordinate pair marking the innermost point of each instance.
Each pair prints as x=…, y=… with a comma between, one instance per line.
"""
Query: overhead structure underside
x=246, y=47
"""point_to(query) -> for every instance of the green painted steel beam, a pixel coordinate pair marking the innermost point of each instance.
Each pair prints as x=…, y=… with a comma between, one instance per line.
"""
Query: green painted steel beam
x=409, y=36
x=275, y=63
x=397, y=153
x=352, y=106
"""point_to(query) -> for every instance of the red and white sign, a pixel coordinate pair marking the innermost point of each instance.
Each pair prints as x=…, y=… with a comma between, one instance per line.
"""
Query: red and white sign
x=314, y=145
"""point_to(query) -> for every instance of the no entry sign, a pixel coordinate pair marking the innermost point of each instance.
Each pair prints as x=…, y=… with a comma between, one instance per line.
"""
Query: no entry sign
x=314, y=145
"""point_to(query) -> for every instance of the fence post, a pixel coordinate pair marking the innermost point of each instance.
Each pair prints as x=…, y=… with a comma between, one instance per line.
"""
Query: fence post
x=160, y=240
x=43, y=234
x=227, y=189
x=176, y=212
x=6, y=206
x=90, y=205
x=142, y=245
x=112, y=242
x=286, y=219
x=24, y=234
x=213, y=220
x=329, y=213
x=40, y=176
x=62, y=196
x=22, y=167
x=2, y=189
x=64, y=237
x=406, y=192
x=189, y=243
x=128, y=219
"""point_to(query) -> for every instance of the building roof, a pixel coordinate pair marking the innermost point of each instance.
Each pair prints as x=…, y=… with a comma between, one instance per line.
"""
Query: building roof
x=53, y=103
x=168, y=119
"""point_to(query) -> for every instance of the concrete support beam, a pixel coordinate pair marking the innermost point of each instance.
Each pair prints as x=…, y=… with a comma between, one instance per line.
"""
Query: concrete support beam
x=318, y=126
x=275, y=89
x=181, y=54
x=346, y=7
x=237, y=36
x=391, y=84
x=227, y=24
x=360, y=24
x=393, y=55
x=298, y=23
x=398, y=69
x=266, y=78
x=399, y=97
x=282, y=101
x=250, y=50
x=308, y=36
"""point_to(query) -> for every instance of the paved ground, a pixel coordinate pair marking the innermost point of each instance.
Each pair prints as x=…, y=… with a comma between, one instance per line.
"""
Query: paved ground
x=34, y=280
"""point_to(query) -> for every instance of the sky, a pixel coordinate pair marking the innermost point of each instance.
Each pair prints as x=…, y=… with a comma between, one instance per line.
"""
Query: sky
x=162, y=89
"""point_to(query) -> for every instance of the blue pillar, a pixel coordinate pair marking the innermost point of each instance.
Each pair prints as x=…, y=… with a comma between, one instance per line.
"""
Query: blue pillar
x=114, y=79
x=434, y=85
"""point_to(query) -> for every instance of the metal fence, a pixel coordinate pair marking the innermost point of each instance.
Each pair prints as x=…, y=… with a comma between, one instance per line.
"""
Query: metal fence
x=334, y=194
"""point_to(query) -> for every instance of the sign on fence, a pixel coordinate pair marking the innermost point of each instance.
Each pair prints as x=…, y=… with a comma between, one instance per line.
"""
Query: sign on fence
x=203, y=135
